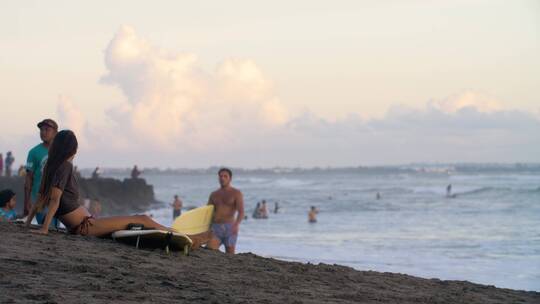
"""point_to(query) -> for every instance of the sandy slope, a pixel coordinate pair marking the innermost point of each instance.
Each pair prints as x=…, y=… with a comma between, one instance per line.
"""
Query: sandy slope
x=61, y=268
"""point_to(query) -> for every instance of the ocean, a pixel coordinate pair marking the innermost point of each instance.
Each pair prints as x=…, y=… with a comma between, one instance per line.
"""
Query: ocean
x=489, y=233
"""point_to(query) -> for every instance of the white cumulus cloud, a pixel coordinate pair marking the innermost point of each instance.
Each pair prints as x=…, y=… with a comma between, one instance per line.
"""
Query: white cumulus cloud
x=171, y=99
x=71, y=117
x=467, y=99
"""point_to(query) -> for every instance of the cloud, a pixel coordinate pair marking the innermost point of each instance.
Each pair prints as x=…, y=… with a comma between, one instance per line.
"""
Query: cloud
x=71, y=117
x=170, y=99
x=480, y=101
x=177, y=114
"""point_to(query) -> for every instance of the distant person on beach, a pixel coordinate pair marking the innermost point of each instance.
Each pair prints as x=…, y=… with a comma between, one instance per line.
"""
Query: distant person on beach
x=96, y=173
x=378, y=196
x=135, y=173
x=22, y=171
x=449, y=190
x=35, y=162
x=312, y=215
x=1, y=164
x=9, y=162
x=177, y=207
x=59, y=191
x=228, y=203
x=276, y=207
x=7, y=205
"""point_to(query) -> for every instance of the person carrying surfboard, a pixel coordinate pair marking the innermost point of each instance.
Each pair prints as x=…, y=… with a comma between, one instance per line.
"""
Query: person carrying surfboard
x=59, y=191
x=228, y=202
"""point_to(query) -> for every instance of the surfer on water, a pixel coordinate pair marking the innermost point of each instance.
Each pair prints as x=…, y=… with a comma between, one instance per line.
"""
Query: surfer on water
x=59, y=192
x=228, y=202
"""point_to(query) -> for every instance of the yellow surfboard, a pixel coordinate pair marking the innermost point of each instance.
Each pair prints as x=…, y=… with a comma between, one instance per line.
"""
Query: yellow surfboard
x=194, y=221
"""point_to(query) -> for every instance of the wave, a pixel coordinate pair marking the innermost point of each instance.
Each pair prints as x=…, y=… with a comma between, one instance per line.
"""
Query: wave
x=483, y=190
x=290, y=183
x=252, y=180
x=499, y=190
x=433, y=190
x=392, y=190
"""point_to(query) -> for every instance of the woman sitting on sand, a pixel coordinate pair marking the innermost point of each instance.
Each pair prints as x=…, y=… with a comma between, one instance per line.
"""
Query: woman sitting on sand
x=59, y=191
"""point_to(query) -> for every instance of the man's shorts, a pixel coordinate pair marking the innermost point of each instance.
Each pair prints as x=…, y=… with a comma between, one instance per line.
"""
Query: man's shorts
x=223, y=232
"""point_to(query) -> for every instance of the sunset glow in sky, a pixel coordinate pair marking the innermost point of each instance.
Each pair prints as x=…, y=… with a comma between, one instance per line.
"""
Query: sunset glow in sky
x=280, y=83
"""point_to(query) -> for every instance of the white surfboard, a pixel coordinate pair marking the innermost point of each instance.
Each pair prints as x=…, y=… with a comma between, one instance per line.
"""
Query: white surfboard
x=170, y=241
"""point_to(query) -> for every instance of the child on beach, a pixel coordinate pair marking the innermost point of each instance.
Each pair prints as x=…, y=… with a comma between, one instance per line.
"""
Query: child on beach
x=7, y=205
x=59, y=191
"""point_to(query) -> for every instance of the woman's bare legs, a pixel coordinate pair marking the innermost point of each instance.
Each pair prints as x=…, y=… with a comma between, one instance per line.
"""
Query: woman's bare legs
x=108, y=225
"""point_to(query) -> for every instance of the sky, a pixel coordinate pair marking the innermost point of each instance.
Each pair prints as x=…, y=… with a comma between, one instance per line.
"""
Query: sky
x=280, y=83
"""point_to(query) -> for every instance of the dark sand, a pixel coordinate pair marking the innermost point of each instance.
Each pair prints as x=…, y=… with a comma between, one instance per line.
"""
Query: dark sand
x=61, y=268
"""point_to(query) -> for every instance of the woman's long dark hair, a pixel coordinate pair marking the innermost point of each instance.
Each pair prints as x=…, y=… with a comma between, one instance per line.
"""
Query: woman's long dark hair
x=62, y=148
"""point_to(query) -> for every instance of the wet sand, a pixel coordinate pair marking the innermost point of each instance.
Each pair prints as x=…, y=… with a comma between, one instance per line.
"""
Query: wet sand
x=61, y=268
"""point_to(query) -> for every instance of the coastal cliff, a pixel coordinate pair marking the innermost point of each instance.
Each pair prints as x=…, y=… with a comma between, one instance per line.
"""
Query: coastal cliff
x=117, y=197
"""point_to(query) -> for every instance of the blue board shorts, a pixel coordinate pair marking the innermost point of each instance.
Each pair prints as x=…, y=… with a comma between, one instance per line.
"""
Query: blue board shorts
x=223, y=232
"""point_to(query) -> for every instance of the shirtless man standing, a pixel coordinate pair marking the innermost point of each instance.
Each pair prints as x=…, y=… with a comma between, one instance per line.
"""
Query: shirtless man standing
x=177, y=207
x=227, y=202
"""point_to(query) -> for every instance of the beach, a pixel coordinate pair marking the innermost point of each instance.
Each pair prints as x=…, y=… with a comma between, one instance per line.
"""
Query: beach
x=62, y=268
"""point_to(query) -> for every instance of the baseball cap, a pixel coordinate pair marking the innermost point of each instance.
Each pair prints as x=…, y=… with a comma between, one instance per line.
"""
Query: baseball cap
x=48, y=122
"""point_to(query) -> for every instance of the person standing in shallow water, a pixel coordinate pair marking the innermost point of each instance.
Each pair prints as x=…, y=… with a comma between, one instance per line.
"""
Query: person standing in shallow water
x=263, y=210
x=228, y=213
x=257, y=211
x=177, y=207
x=312, y=215
x=59, y=191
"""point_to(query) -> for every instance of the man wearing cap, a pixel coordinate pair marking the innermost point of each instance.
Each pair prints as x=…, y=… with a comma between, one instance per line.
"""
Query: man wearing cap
x=37, y=157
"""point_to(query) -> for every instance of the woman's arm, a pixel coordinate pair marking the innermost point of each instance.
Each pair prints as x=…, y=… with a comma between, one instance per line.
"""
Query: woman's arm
x=31, y=216
x=33, y=211
x=54, y=203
